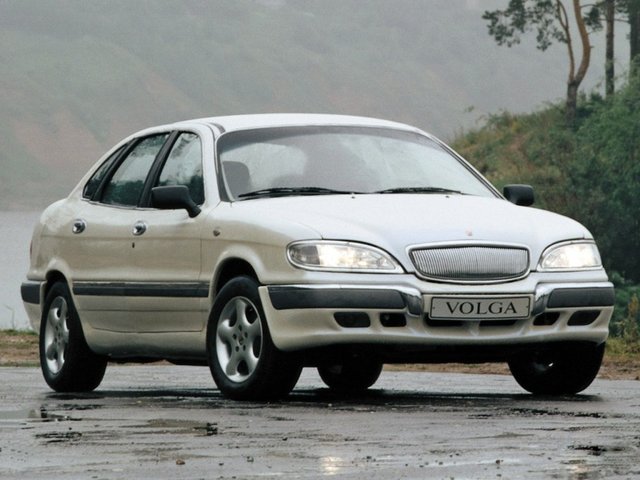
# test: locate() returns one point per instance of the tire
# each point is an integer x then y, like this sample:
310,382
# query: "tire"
244,362
561,371
353,375
67,362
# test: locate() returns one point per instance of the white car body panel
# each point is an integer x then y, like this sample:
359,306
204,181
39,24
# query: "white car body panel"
190,253
412,220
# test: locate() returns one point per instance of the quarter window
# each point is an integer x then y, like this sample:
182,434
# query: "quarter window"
127,183
96,179
184,166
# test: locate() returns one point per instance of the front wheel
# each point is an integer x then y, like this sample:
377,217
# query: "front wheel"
67,362
244,362
560,371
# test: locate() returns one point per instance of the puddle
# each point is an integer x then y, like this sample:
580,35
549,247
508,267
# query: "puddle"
15,415
71,406
161,425
59,437
533,412
597,450
54,417
37,415
44,413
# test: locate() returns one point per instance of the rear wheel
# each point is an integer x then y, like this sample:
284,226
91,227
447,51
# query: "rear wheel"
244,362
561,371
67,362
351,375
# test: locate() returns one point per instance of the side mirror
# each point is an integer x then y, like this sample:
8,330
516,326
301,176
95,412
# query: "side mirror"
174,197
519,194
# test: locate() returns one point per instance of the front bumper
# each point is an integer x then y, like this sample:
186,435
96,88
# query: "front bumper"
304,317
32,294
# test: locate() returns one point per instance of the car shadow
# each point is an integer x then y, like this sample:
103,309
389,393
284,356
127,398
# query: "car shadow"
323,398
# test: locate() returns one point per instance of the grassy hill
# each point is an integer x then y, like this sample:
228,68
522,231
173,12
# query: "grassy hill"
76,76
588,171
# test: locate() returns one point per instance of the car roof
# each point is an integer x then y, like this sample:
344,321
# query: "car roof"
243,122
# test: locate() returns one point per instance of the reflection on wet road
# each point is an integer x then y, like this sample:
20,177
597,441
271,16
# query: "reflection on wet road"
170,422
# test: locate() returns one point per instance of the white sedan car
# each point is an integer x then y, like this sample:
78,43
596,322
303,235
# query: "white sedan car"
261,244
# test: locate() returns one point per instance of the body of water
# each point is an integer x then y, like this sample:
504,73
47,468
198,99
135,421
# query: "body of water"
15,230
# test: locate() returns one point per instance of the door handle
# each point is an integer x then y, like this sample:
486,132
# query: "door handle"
79,226
139,228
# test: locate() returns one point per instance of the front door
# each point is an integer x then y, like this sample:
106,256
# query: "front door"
166,250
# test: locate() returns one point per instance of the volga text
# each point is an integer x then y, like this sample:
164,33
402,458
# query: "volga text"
482,308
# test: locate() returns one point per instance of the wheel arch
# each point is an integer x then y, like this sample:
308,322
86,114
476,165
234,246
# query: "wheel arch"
52,278
229,269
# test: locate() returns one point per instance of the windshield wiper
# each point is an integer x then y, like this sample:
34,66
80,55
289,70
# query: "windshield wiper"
287,191
418,190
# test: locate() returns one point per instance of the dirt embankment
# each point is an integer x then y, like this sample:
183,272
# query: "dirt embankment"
20,349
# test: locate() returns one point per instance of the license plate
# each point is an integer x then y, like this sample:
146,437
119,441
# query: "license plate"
479,308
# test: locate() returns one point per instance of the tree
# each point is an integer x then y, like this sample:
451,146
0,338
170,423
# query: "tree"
551,22
630,9
609,64
633,9
604,177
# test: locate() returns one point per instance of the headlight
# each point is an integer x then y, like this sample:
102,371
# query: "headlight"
341,257
571,256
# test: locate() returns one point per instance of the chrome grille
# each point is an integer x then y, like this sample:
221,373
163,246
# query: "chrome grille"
471,263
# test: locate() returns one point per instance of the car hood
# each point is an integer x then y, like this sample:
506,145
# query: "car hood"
397,221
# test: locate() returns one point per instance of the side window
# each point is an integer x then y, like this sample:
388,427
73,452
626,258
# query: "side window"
126,184
184,166
96,179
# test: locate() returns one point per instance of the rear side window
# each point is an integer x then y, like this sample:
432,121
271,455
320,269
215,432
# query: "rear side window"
96,179
127,183
184,166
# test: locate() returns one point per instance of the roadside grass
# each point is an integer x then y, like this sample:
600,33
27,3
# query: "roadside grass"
622,359
622,349
19,348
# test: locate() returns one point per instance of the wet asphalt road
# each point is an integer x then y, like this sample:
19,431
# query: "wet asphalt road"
169,422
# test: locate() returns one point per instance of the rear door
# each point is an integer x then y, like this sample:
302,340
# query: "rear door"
103,242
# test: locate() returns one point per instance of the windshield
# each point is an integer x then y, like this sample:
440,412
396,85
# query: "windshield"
338,160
